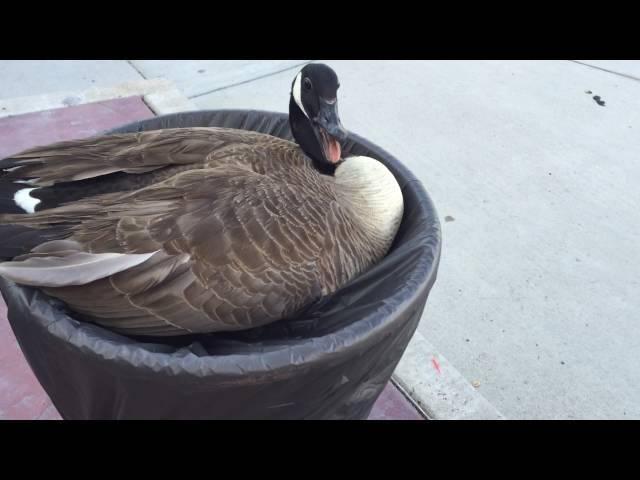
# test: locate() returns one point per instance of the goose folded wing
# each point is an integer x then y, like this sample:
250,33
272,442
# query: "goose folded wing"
130,153
228,249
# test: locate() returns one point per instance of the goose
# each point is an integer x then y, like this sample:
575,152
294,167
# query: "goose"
198,230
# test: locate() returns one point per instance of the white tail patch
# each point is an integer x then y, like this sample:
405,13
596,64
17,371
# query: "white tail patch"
25,201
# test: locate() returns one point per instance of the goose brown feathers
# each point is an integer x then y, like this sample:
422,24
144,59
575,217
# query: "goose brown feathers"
244,243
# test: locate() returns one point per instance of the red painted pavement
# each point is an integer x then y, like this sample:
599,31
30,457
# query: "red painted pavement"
20,132
393,405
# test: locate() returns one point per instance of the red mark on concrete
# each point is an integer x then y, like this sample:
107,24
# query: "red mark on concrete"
436,365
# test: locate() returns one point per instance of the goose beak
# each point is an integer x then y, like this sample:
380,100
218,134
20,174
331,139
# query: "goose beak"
329,130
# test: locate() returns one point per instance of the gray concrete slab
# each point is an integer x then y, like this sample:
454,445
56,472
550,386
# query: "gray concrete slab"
159,94
195,77
536,185
20,78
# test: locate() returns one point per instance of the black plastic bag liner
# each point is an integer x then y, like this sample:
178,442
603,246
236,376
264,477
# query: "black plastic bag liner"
330,363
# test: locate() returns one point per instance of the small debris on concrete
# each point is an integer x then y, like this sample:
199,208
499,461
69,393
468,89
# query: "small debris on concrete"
70,101
598,100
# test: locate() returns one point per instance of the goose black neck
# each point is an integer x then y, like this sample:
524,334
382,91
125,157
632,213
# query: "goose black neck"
306,137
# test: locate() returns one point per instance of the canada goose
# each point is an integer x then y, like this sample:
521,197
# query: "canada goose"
189,230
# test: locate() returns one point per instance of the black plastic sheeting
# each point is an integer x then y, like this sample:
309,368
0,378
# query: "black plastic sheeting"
330,363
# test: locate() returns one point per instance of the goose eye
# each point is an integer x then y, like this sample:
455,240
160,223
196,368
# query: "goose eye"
307,84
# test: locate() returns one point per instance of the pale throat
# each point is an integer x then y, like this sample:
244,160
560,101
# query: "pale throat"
374,194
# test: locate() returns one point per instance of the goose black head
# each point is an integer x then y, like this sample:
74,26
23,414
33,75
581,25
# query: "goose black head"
313,115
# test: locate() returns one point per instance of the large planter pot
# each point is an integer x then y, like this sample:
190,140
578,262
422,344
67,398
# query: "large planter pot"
332,362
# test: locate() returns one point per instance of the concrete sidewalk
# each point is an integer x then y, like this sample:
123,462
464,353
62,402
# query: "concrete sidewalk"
534,312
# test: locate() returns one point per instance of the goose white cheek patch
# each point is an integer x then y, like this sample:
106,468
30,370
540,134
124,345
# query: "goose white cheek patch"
297,93
25,201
